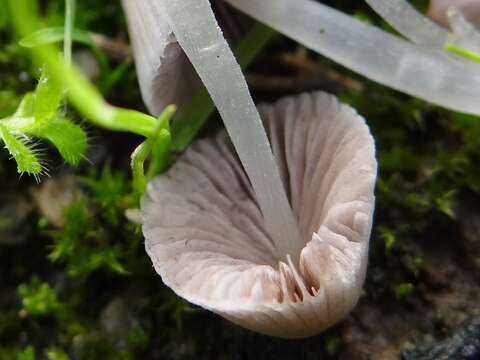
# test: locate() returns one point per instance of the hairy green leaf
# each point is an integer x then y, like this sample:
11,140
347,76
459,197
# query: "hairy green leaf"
27,161
26,107
69,138
48,97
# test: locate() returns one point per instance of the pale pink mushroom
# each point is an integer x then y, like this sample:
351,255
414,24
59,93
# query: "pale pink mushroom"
470,8
207,239
164,71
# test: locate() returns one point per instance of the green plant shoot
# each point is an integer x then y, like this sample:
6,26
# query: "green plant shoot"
38,114
468,54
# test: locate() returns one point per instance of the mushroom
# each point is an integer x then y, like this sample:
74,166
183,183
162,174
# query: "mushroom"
429,74
404,18
162,67
464,32
165,74
199,35
437,10
232,240
424,32
419,67
207,238
414,68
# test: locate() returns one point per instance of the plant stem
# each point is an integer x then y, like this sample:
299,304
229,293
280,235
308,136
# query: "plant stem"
161,151
83,95
468,54
69,20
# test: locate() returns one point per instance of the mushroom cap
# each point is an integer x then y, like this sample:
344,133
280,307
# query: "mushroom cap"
165,74
206,237
437,10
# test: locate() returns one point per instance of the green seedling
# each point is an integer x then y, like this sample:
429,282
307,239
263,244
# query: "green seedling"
64,79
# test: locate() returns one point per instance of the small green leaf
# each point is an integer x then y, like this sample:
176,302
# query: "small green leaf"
26,107
52,35
48,97
27,161
23,118
69,138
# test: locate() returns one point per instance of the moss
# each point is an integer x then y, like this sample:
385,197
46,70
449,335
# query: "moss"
38,298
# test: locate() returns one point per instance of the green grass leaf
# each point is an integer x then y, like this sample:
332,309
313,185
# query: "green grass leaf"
52,35
69,138
27,161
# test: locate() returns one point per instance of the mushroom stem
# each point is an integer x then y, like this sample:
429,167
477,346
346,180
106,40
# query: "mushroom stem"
423,31
404,18
198,33
426,73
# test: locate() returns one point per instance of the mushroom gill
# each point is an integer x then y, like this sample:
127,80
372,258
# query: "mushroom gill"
207,239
